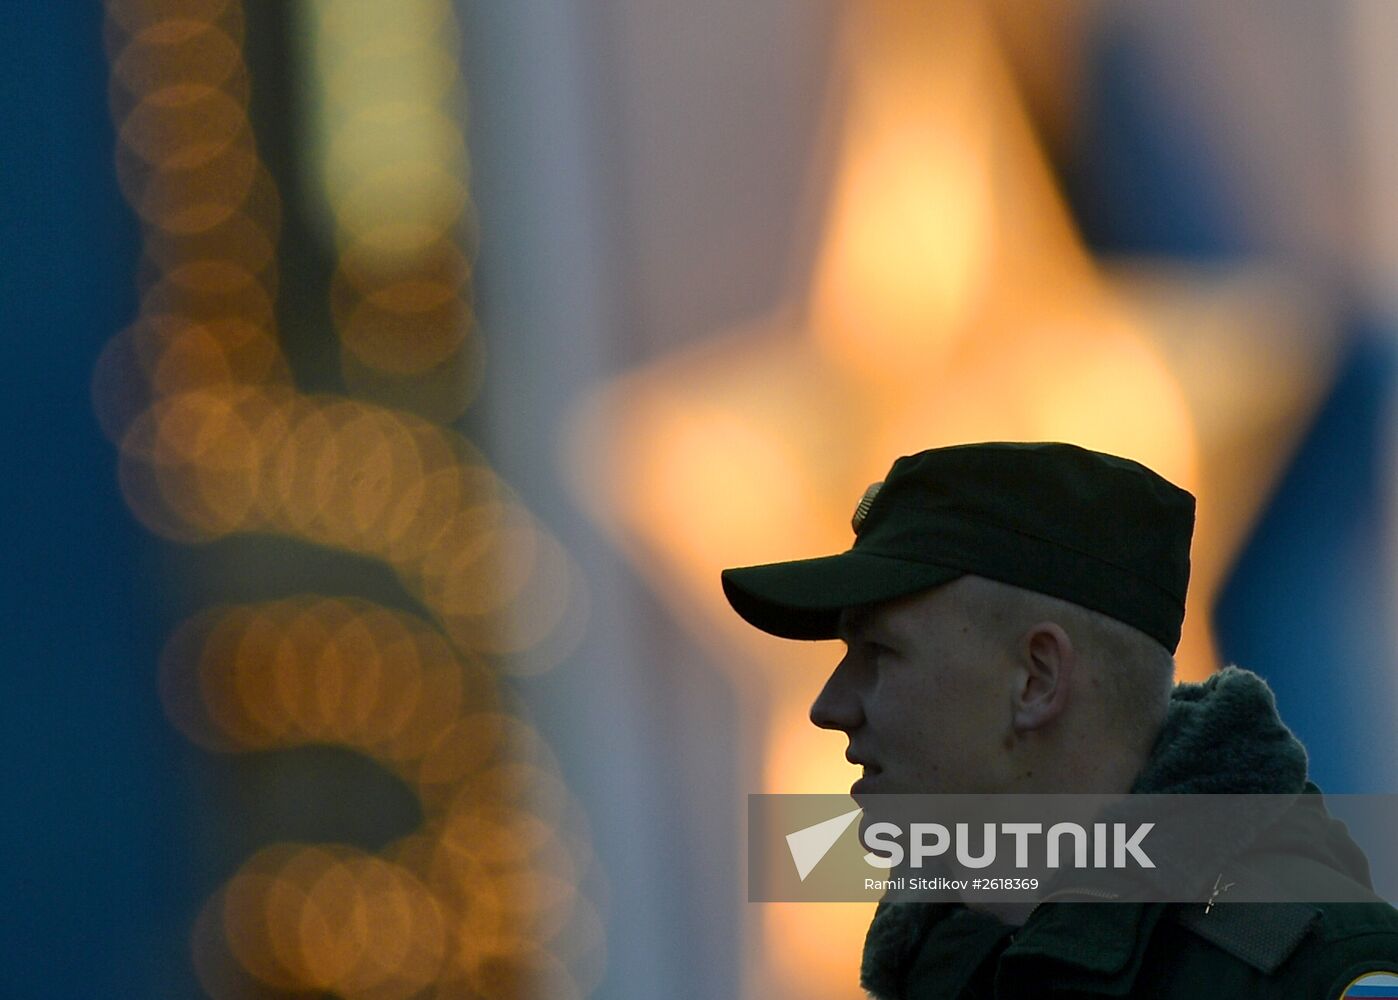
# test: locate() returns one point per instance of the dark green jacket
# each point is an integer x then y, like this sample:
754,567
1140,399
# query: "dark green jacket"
1220,736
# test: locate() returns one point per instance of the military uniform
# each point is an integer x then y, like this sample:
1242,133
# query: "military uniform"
1280,950
1107,534
1221,736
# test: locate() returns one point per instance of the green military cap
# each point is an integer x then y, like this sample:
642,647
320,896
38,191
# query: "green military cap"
1103,532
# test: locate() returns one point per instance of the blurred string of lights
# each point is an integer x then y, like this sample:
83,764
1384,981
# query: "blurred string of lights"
484,899
392,163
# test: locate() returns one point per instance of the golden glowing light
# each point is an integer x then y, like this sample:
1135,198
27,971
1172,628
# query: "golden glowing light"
496,861
185,200
393,166
329,670
390,146
135,16
220,974
404,254
908,247
194,50
210,289
201,455
200,215
214,440
207,462
407,328
184,125
257,901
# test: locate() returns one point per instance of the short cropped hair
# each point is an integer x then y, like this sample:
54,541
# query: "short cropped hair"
1136,672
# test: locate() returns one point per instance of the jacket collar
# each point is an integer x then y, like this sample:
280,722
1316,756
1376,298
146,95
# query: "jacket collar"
1224,737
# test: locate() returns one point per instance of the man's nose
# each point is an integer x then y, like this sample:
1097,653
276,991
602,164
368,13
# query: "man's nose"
838,705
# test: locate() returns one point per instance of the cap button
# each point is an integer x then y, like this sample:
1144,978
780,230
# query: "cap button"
865,502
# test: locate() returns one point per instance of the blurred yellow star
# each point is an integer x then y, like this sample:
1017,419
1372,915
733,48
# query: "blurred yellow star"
950,300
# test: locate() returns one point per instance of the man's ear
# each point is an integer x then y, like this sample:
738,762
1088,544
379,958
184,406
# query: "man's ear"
1047,659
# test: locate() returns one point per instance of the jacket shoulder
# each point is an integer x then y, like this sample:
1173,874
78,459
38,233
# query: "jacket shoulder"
1352,941
1262,935
1342,922
1311,950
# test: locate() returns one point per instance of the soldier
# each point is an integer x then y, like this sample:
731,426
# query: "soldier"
1010,614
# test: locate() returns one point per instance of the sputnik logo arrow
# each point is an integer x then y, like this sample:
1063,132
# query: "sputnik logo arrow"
808,846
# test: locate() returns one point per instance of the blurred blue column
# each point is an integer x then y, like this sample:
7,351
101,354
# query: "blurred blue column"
97,900
1311,602
548,282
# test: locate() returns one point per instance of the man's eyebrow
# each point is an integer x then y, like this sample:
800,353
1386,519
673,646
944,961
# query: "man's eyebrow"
848,625
855,623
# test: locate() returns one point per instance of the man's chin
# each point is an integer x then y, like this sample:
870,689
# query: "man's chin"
876,796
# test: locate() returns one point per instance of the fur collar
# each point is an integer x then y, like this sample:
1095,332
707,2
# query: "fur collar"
1224,736
1220,736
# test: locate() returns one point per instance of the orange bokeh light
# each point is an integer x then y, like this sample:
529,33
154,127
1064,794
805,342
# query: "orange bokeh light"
186,200
214,440
184,125
134,16
181,48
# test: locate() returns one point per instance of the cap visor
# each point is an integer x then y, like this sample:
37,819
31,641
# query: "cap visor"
803,599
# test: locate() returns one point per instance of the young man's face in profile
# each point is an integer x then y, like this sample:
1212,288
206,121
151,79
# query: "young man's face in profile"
923,695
